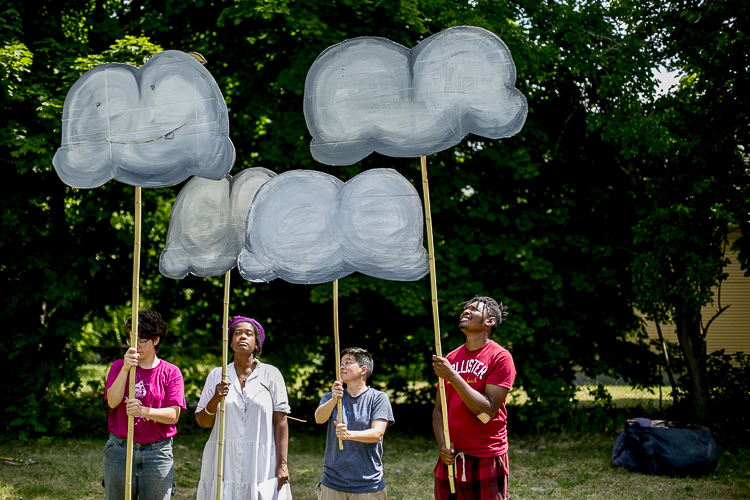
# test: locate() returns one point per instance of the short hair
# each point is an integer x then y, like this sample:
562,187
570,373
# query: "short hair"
150,327
256,334
491,308
362,357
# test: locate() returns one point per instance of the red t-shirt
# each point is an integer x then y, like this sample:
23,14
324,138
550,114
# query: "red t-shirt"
491,364
159,387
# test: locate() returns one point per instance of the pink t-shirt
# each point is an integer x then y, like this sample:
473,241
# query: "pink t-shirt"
159,387
490,364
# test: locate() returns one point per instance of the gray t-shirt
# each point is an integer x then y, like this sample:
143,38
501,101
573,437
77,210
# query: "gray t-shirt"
358,468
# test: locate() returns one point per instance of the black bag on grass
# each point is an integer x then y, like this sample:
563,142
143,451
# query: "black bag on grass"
665,448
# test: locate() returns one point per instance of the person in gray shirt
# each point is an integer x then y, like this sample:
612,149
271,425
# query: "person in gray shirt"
356,472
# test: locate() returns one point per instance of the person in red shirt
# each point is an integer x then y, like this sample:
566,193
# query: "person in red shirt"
478,376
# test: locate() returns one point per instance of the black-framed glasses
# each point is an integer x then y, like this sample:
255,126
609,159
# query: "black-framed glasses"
141,343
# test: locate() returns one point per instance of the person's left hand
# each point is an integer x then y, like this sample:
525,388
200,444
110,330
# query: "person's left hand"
341,431
133,407
282,474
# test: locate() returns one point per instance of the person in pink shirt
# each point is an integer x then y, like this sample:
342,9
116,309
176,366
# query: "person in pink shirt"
478,376
159,398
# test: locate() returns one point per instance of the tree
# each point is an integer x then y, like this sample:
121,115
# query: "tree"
510,219
58,264
690,184
541,221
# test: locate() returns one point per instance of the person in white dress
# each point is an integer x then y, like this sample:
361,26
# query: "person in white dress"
256,435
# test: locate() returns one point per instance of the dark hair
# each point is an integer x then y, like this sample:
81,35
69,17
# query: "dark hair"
256,334
362,357
491,309
150,327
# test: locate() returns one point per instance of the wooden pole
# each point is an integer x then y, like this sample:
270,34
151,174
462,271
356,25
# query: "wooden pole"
133,339
224,359
435,316
338,348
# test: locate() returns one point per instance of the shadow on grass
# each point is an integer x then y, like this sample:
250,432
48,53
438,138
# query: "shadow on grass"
549,466
565,465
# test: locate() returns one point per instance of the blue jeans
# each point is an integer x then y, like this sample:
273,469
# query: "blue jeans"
153,470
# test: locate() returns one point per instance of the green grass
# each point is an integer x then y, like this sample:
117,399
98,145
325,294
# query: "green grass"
563,467
579,467
623,396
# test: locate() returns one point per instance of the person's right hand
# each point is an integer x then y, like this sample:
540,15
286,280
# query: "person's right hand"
447,455
222,389
131,359
337,390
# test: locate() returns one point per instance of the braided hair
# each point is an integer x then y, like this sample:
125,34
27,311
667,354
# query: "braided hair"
491,310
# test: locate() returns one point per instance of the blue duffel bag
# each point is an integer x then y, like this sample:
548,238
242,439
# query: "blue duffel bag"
665,448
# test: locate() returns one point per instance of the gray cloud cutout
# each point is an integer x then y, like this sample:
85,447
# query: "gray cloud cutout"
207,228
309,227
151,127
371,94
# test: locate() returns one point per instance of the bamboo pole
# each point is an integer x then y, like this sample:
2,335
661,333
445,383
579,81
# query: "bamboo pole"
224,360
338,348
133,339
435,316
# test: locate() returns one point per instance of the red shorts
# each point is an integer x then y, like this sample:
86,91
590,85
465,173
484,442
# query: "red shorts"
477,478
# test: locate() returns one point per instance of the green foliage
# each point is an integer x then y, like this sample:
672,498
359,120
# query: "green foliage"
15,60
58,255
63,412
728,379
729,384
194,370
685,205
611,196
129,50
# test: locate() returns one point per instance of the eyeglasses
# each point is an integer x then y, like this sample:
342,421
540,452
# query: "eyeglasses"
347,364
141,343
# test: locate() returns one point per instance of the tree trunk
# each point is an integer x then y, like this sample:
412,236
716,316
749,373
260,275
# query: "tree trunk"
668,363
688,322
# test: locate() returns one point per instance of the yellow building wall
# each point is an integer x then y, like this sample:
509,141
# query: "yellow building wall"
731,330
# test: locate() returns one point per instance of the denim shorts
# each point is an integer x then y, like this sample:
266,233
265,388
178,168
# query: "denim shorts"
153,470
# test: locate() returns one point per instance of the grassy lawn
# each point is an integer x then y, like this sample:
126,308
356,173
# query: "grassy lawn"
545,467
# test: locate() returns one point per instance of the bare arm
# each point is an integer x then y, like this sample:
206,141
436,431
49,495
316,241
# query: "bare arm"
372,435
446,454
202,417
281,436
323,412
169,415
478,403
116,392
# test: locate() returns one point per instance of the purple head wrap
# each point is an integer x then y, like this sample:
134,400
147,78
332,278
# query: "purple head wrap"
242,319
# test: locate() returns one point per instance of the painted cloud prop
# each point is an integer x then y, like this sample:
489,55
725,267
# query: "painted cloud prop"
371,94
309,227
207,228
150,127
